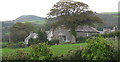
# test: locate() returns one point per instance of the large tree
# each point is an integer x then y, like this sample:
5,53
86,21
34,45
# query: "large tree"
72,14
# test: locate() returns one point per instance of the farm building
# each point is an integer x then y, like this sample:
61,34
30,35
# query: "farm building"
64,35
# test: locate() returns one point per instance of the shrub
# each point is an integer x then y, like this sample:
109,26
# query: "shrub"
12,46
111,34
72,55
54,41
3,45
16,45
81,39
21,55
21,45
98,49
41,52
68,43
18,55
33,41
9,57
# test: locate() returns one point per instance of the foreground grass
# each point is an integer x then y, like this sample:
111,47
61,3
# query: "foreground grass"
57,49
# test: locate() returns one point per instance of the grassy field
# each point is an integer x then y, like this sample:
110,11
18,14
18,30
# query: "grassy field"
8,51
38,21
57,49
63,49
3,43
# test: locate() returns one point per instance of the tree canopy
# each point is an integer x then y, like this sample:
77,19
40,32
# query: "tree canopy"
19,31
72,14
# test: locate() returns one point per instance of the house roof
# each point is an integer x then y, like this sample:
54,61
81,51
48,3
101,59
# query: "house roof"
86,29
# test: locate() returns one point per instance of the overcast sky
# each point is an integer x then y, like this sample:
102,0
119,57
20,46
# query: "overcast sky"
11,9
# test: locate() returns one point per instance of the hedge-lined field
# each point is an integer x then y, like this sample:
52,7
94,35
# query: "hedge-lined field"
57,49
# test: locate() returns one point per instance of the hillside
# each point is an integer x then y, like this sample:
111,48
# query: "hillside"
109,18
29,18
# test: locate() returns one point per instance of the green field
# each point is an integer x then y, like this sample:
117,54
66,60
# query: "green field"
38,21
110,13
1,43
8,51
63,49
57,49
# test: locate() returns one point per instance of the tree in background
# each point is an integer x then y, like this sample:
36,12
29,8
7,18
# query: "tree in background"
5,37
42,36
72,14
45,27
19,31
5,30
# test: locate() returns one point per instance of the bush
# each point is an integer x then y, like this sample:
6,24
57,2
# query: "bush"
9,57
41,52
72,55
54,41
21,45
81,39
12,46
16,45
21,55
98,49
33,41
68,43
18,55
4,44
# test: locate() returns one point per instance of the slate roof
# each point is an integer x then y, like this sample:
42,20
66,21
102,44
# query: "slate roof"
86,29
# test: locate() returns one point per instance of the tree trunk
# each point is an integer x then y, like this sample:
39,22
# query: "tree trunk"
74,34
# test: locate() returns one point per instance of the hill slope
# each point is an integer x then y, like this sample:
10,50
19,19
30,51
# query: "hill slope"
109,18
28,18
